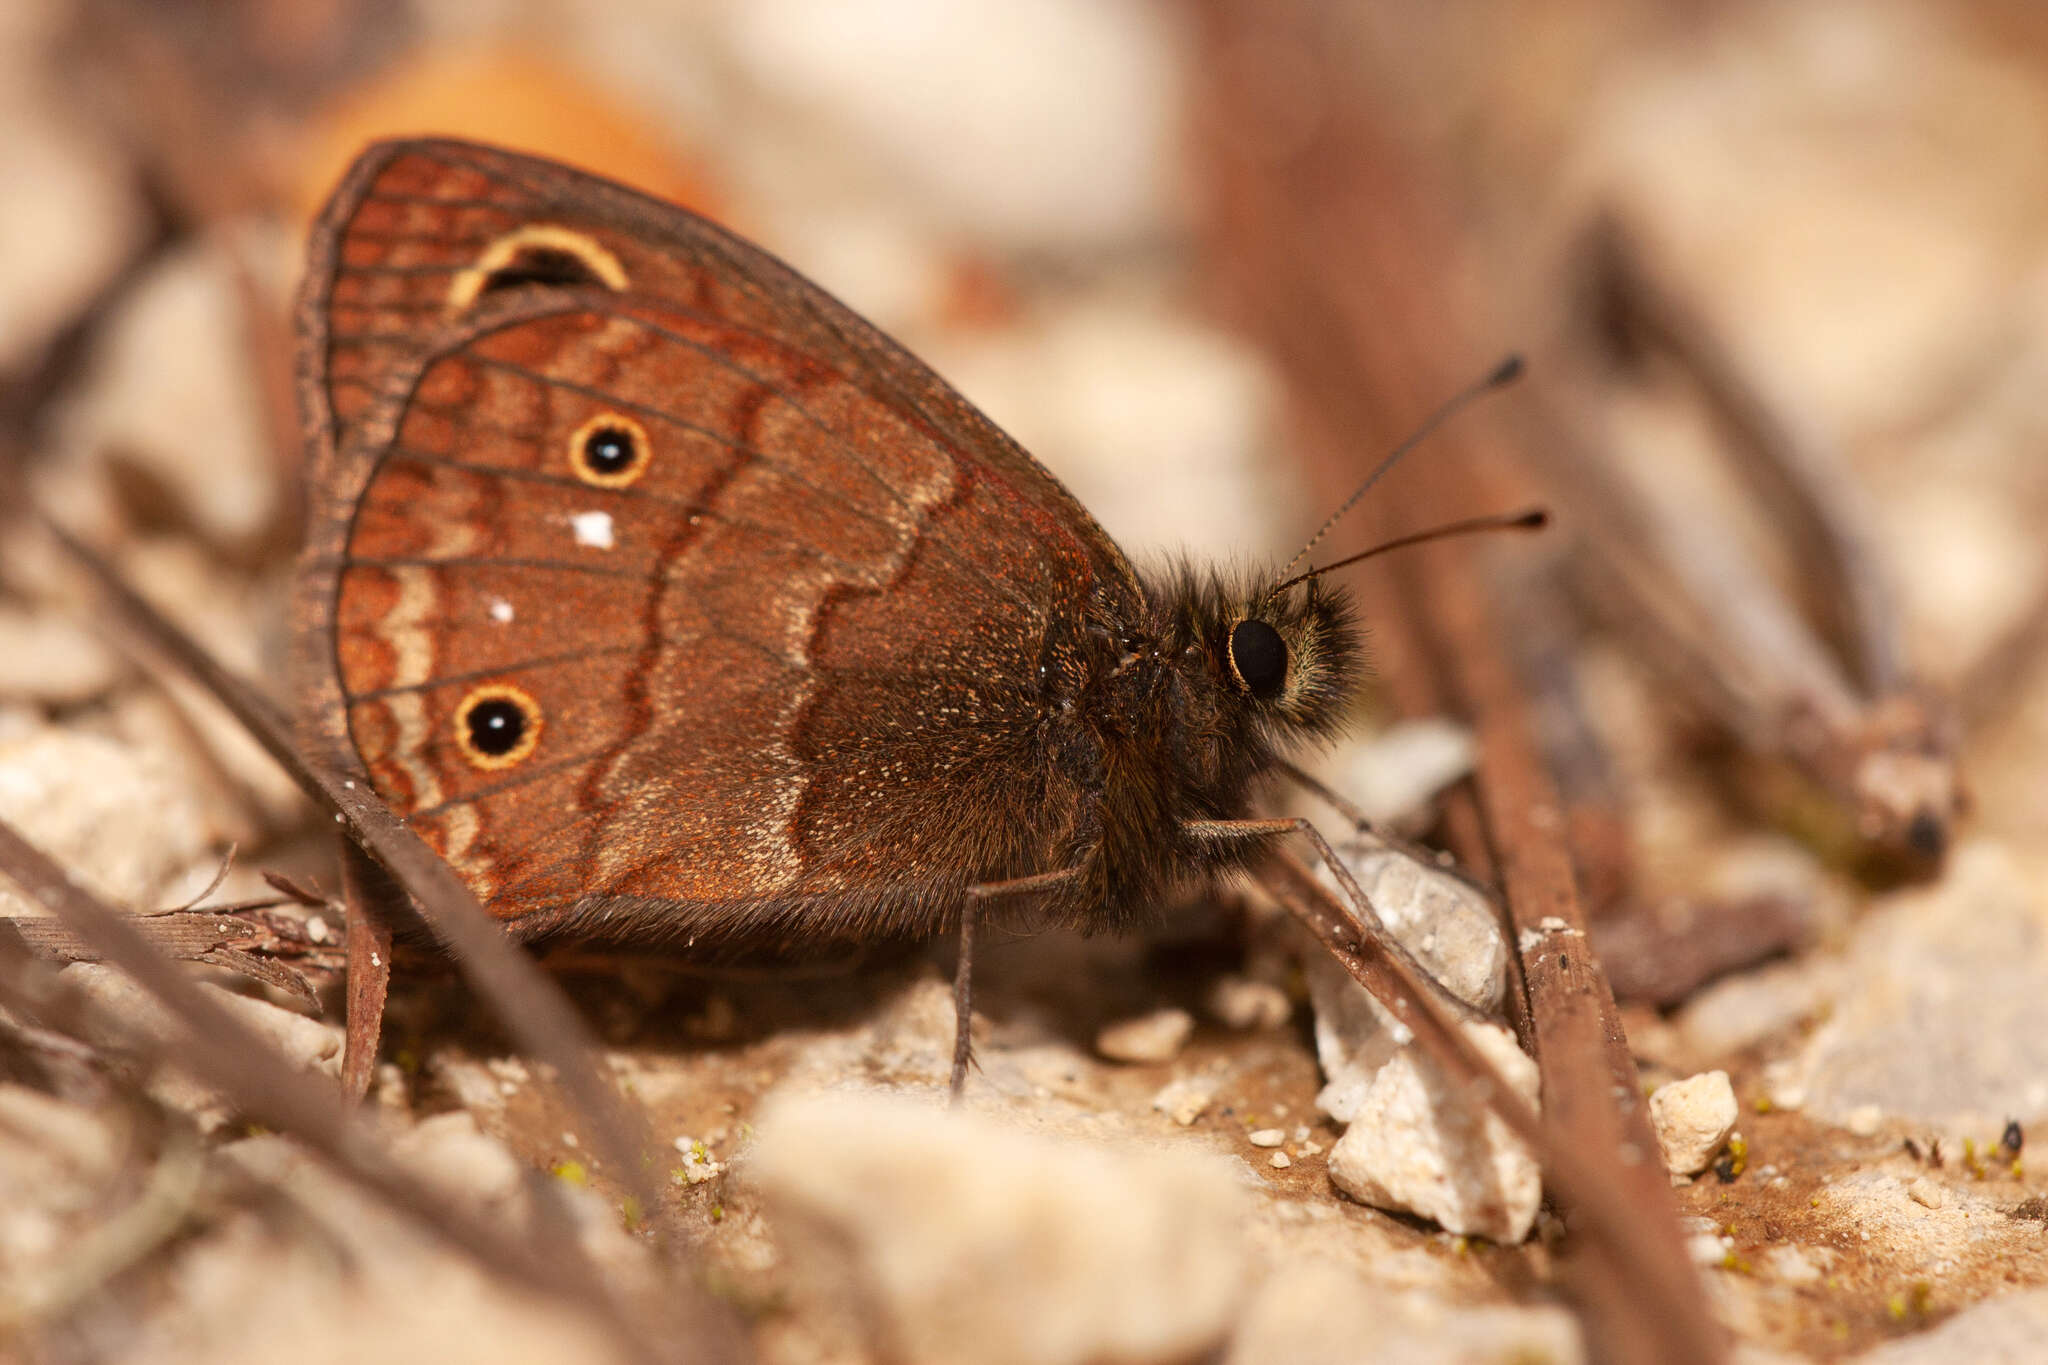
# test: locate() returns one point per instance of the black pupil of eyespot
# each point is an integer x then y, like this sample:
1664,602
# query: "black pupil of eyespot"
608,450
496,725
1260,656
543,265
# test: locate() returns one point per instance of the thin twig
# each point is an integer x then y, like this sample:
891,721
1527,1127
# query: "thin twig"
532,1008
221,1051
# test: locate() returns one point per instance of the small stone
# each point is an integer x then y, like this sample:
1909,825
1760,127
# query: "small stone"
1311,1311
1793,1264
50,659
120,824
1450,926
1418,1143
1266,1137
1926,1193
1708,1248
1155,1037
1783,1086
1279,1161
1864,1120
1186,1098
173,396
963,1238
1692,1118
1241,1003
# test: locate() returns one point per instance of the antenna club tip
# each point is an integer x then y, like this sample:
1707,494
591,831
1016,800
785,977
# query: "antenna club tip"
1507,372
1535,519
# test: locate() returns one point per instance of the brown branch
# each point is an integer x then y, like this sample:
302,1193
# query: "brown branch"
533,1009
1693,602
215,937
1578,1179
1339,258
1795,472
221,1051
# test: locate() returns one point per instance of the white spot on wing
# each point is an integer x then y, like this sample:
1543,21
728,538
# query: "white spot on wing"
593,529
501,611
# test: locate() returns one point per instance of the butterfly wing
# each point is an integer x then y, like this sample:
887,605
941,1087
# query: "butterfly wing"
662,594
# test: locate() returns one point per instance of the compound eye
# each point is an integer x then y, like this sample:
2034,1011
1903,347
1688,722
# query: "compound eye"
1259,658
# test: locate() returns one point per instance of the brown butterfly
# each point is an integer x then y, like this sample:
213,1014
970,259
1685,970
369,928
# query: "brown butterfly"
671,602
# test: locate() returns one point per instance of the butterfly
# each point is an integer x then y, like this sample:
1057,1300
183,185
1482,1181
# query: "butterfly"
672,603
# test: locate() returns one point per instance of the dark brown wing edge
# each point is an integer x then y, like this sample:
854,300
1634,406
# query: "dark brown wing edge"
821,324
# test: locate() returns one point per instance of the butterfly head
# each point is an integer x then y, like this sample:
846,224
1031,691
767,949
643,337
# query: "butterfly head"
1282,664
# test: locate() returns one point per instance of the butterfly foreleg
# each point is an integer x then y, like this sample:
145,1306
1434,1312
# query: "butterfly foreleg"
1365,919
963,969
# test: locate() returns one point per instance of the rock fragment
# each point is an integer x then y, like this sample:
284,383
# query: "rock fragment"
1692,1118
1926,1193
1155,1037
1186,1098
965,1239
121,825
1241,1003
1416,1144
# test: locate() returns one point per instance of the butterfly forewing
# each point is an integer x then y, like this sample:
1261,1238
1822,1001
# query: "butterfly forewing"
648,580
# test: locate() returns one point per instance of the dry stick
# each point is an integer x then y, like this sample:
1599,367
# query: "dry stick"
192,935
532,1008
1342,266
222,1052
1796,473
1715,625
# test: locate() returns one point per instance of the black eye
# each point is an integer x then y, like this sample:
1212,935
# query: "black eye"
1259,658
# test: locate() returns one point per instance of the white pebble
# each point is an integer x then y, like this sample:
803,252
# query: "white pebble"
1241,1003
1693,1117
1069,1250
1418,1143
1185,1098
1279,1161
1155,1037
1267,1137
1926,1193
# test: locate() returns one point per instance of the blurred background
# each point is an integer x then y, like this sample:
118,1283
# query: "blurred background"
1781,272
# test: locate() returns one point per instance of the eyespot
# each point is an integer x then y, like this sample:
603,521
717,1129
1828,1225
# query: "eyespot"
537,254
609,451
497,725
1259,658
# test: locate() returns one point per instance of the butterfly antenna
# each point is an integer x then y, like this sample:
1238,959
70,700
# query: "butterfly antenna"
1533,519
1501,375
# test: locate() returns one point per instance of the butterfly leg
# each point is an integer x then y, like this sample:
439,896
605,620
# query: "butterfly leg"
1365,919
368,896
963,969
